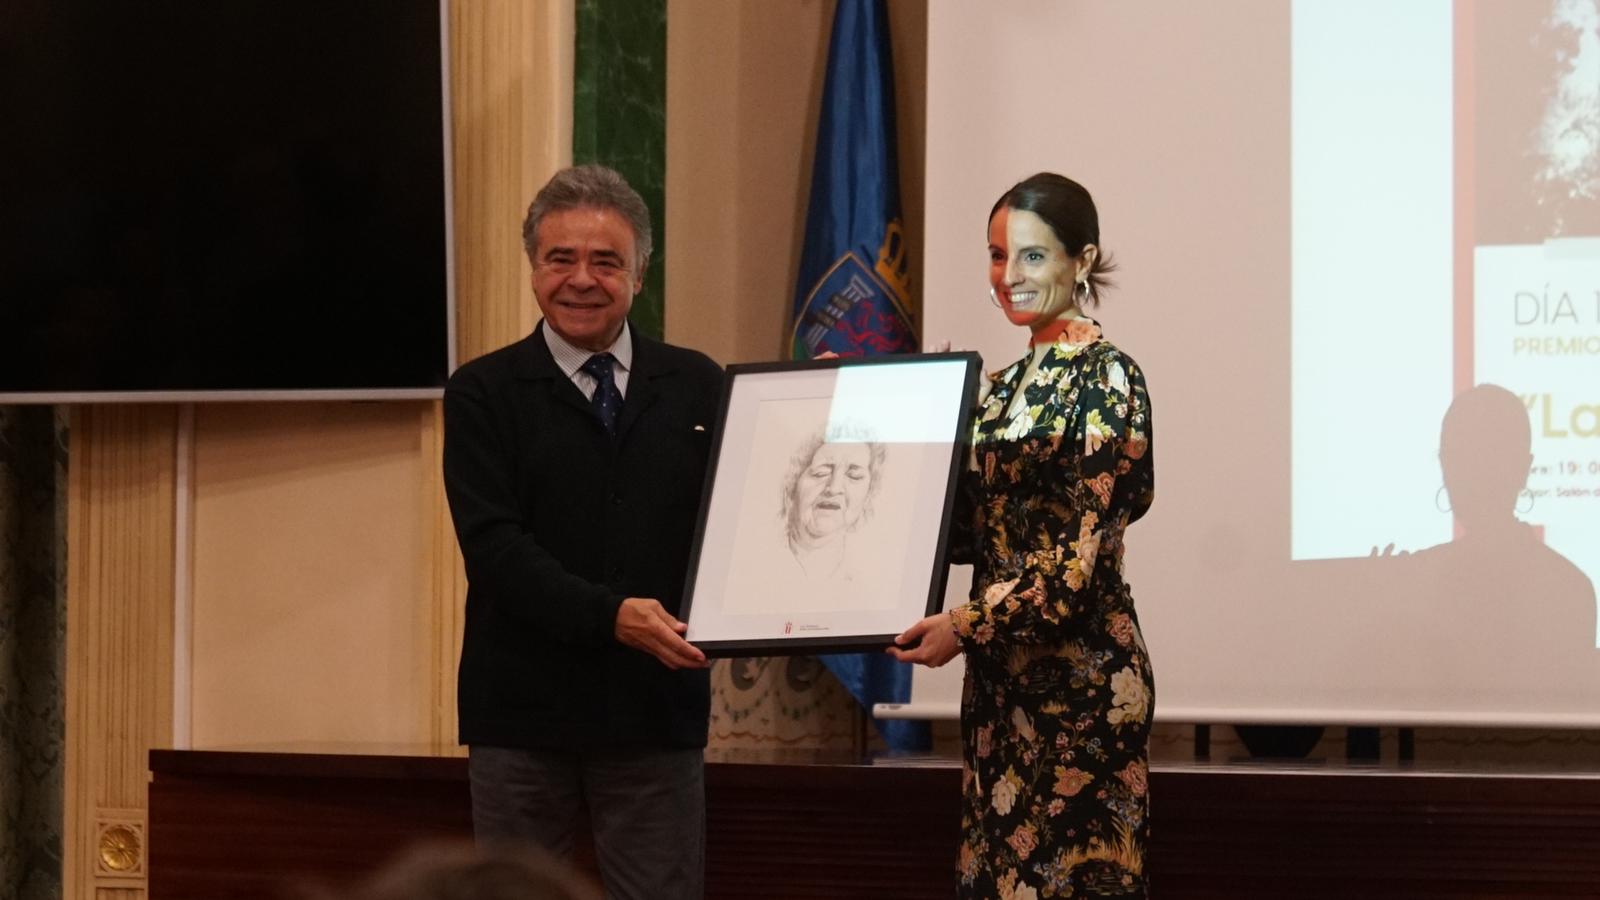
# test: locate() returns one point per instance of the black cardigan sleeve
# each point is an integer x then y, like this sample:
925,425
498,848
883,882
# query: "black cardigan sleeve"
505,565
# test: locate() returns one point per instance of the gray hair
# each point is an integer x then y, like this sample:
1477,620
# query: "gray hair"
590,186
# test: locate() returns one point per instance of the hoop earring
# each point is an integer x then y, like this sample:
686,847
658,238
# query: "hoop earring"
995,299
1440,493
1524,493
1085,285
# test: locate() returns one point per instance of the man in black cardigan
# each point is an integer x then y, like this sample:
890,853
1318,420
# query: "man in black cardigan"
573,463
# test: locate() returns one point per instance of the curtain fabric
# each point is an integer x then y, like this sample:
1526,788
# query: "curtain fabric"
33,630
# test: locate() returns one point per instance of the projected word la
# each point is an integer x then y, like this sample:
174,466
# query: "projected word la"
1552,421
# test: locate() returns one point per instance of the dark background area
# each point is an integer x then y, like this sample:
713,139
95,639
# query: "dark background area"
221,196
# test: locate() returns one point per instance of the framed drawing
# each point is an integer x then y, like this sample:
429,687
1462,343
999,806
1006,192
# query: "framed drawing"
827,506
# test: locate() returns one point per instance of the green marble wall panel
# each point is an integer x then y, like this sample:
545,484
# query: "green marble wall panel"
619,116
33,635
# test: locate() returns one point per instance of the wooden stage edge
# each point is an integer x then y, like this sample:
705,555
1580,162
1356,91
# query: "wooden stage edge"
234,824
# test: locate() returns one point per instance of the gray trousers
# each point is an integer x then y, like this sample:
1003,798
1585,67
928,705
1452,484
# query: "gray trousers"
647,809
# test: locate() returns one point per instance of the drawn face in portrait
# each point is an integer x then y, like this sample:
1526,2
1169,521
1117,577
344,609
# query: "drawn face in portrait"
831,492
827,496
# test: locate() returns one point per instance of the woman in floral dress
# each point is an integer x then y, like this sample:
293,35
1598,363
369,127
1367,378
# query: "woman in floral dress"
1055,715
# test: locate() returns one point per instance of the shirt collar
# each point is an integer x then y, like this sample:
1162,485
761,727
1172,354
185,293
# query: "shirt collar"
571,357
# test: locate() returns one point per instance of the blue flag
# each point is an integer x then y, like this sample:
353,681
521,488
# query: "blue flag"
854,284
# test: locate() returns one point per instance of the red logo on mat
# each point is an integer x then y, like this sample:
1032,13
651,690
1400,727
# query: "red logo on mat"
788,627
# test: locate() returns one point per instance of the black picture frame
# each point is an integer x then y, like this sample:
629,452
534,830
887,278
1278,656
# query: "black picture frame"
832,560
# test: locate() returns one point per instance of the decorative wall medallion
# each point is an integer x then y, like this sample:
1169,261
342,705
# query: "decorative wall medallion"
120,850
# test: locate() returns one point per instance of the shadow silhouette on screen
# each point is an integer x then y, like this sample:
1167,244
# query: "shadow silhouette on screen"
1495,587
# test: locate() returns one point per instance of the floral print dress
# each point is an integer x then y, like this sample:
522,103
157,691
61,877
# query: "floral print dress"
1055,715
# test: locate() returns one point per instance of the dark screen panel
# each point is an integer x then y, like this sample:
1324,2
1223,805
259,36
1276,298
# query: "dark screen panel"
243,195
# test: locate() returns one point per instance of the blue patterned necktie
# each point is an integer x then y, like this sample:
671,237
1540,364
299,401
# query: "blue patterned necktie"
607,400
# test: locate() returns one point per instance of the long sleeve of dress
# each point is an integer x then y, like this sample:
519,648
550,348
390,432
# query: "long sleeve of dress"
1057,507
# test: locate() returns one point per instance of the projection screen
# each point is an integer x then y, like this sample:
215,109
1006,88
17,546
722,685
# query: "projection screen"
1333,221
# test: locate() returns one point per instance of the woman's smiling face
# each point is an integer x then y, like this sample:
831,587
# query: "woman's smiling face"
1031,273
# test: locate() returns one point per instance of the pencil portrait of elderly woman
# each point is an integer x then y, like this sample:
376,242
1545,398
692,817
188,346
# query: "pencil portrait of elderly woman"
828,492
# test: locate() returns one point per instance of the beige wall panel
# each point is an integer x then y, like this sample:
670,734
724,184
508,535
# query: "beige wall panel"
511,116
120,509
744,86
446,589
311,577
701,181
